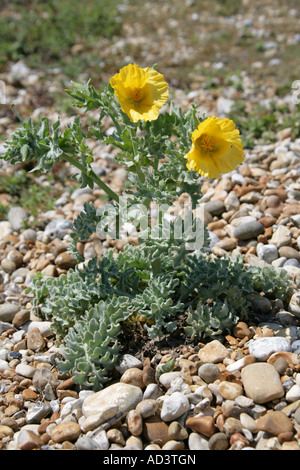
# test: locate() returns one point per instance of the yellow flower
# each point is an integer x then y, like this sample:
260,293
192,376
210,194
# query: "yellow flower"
216,148
141,92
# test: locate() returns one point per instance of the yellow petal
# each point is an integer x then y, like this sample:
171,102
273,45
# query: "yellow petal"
216,147
140,91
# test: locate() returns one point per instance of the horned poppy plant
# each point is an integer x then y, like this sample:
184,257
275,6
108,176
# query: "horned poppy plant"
140,91
216,147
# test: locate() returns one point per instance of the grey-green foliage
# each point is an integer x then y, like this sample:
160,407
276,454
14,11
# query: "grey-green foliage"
91,347
66,299
153,283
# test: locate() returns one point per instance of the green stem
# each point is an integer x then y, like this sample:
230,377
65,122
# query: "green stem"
16,113
92,177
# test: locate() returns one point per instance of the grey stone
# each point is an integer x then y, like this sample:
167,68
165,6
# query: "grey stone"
209,372
8,311
267,253
16,217
87,443
29,235
260,304
247,231
57,228
37,412
126,362
215,207
262,348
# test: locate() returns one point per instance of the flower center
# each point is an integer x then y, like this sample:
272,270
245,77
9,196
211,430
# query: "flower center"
207,142
137,94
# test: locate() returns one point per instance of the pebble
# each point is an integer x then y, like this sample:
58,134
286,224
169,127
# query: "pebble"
16,217
66,431
204,425
261,382
275,422
209,372
123,395
247,231
262,348
174,406
8,311
57,229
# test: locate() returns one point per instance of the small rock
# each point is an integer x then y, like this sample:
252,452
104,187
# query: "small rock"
177,431
66,431
57,228
209,372
29,440
281,237
289,252
204,425
261,382
134,422
8,311
25,370
95,420
156,430
5,229
213,352
230,390
35,340
133,376
28,235
174,406
65,260
247,231
260,304
123,395
267,253
16,217
275,422
8,265
128,361
37,412
218,441
294,304
262,348
21,317
147,407
215,207
197,442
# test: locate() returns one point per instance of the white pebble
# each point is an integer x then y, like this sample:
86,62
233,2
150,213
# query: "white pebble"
3,365
262,348
293,393
174,406
25,370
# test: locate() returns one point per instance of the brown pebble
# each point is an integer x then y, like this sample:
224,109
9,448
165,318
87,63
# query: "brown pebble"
155,430
29,394
204,425
66,384
275,422
133,376
148,375
285,436
35,340
241,330
66,431
237,436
